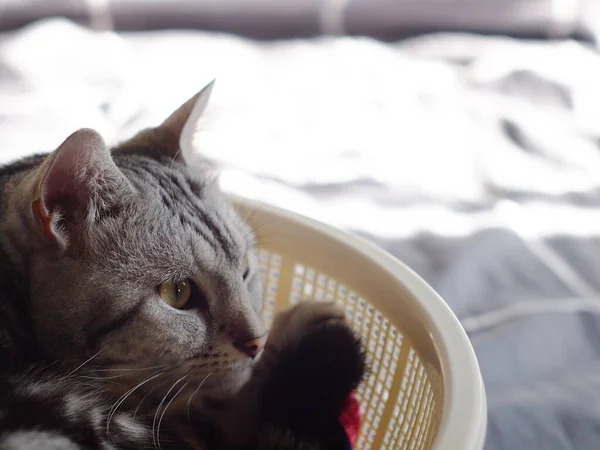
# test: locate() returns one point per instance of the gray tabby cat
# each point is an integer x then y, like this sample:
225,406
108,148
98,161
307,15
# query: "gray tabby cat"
129,300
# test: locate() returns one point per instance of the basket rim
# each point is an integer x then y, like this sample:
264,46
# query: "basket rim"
463,422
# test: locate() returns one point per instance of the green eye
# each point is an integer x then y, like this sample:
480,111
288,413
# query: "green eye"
177,294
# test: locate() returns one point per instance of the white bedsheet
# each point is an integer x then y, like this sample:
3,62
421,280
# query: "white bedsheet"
474,160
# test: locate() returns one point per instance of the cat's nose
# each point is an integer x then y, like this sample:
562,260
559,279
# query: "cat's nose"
252,347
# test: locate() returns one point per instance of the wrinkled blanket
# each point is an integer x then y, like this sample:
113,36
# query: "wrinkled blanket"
474,160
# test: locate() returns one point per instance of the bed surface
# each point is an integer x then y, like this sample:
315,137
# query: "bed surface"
474,160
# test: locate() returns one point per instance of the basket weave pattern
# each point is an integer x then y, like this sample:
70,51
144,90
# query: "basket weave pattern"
399,396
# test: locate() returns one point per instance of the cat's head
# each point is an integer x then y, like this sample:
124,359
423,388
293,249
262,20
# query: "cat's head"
135,259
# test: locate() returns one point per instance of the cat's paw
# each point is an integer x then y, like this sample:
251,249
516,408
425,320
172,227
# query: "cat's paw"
292,324
319,361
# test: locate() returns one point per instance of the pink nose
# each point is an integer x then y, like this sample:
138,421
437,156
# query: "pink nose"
252,347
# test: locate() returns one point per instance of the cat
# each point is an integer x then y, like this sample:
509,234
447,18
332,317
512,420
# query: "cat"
130,295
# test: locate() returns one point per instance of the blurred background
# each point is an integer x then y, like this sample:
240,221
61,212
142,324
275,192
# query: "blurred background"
462,136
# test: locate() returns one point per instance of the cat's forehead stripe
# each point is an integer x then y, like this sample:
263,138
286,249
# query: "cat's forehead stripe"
180,196
174,197
195,209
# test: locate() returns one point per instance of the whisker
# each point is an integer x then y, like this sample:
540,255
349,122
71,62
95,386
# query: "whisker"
146,396
112,377
128,369
30,369
47,366
121,399
165,411
273,222
263,241
160,406
84,363
189,402
249,216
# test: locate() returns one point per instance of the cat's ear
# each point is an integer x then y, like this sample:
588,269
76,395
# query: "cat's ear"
178,130
74,184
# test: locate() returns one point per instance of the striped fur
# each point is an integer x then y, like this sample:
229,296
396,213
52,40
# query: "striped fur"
92,358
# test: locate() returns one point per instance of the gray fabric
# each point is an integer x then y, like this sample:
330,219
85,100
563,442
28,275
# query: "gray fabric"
271,19
473,160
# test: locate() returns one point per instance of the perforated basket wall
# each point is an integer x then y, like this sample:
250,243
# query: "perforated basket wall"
424,390
401,397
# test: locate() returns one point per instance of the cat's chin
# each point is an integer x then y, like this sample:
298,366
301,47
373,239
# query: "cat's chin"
222,384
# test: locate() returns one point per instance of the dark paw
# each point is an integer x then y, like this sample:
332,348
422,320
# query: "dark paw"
293,324
319,362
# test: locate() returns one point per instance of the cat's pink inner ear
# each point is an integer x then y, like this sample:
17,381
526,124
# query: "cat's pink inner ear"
77,166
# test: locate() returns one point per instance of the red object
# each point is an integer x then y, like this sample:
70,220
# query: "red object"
351,418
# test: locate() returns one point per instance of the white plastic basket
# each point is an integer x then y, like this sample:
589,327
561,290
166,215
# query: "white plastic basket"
424,390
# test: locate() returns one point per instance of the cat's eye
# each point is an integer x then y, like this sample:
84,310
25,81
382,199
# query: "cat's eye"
177,294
